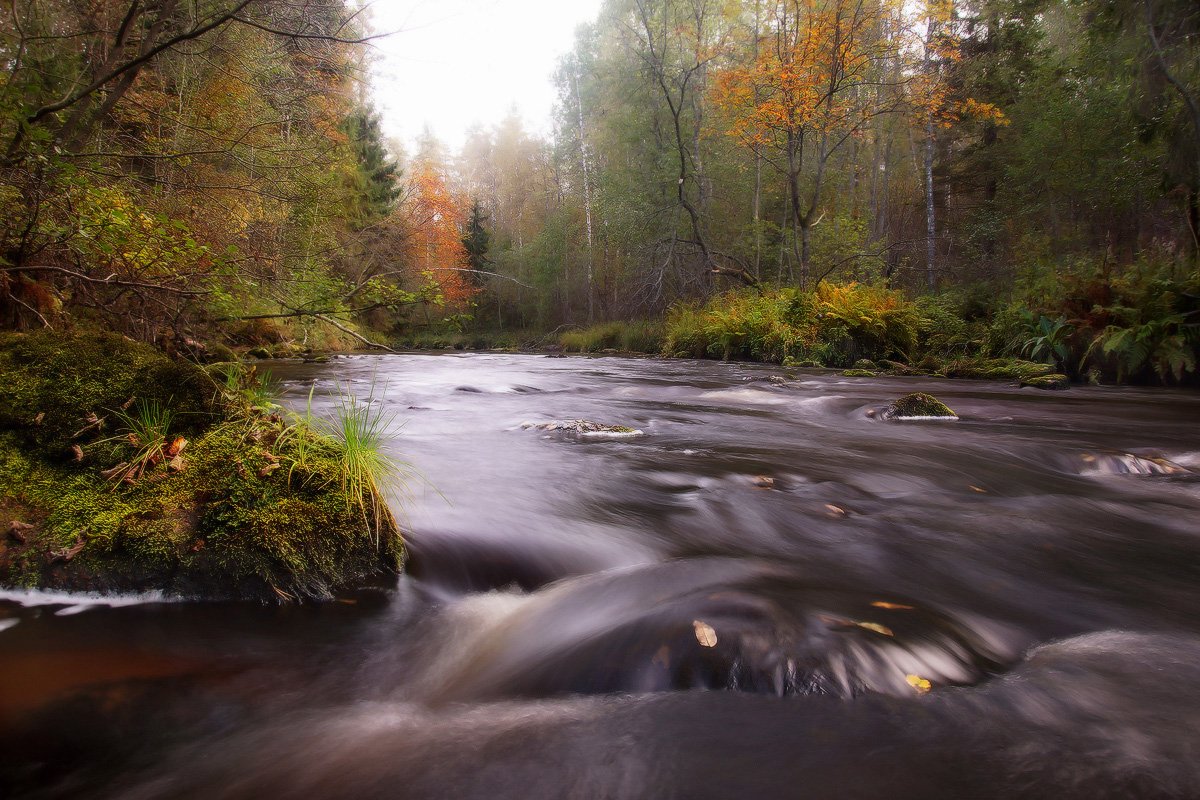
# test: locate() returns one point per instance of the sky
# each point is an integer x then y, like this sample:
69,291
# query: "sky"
452,63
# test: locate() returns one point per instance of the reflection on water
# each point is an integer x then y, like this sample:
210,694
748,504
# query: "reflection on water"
748,600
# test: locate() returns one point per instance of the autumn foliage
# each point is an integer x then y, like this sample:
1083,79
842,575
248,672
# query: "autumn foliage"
436,217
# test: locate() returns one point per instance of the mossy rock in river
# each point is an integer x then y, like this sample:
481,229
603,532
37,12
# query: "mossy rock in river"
1054,381
51,385
919,406
244,505
857,373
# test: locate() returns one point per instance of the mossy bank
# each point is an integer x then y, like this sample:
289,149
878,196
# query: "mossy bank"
213,493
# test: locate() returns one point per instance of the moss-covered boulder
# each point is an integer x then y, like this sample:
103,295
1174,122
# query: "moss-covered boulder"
235,503
857,373
56,389
919,406
1054,381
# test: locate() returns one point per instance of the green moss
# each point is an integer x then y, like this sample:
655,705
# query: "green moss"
865,364
857,373
918,404
50,383
1052,381
253,508
995,369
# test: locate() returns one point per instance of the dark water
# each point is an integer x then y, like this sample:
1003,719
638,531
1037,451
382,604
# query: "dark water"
737,603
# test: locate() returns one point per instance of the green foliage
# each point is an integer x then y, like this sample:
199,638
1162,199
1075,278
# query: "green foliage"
377,175
1168,346
1048,340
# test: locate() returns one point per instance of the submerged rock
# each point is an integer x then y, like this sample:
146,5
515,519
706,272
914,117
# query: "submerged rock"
583,427
1129,464
918,405
1055,381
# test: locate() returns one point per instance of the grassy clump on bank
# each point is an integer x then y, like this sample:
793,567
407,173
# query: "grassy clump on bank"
625,337
187,484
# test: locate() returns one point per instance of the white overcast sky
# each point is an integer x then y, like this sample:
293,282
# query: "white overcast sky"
457,62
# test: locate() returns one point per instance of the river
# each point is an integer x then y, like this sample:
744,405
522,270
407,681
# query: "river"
770,592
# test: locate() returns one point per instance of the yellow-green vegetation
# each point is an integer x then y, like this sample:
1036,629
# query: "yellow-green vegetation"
1141,327
191,482
627,337
835,325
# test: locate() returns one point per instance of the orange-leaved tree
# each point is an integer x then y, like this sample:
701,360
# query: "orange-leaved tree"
822,70
436,217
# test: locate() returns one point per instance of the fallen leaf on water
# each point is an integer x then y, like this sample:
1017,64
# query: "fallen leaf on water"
891,606
835,511
764,481
876,627
978,489
705,634
917,682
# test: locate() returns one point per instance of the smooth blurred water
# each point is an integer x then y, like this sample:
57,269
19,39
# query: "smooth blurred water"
736,603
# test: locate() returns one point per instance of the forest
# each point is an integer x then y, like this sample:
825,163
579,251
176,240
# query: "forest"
814,182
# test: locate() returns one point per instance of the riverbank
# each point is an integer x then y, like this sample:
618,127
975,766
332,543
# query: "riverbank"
1149,334
122,470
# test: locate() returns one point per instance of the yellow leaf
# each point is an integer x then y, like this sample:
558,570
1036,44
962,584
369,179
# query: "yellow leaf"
917,682
891,606
876,627
705,635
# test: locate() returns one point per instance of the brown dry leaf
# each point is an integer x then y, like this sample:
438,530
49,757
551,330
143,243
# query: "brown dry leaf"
705,634
978,489
177,446
875,627
917,682
77,451
267,470
197,546
1088,458
40,418
67,553
763,481
18,529
662,657
109,474
835,511
177,464
891,606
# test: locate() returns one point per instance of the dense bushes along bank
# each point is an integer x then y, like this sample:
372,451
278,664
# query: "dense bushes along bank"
121,470
1101,328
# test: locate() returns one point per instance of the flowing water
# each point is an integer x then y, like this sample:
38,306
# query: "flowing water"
745,600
